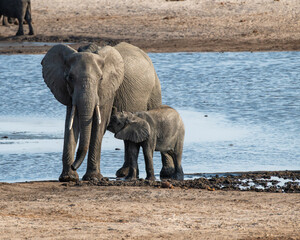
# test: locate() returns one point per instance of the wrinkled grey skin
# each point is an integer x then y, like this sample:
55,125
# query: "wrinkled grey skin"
159,129
20,9
91,82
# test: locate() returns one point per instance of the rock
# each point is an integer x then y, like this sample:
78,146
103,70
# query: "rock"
166,185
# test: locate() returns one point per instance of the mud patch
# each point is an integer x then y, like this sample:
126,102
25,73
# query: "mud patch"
278,181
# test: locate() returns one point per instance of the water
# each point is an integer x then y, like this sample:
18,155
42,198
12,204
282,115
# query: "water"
241,112
27,44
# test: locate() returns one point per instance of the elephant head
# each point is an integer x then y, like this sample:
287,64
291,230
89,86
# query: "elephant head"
128,126
85,81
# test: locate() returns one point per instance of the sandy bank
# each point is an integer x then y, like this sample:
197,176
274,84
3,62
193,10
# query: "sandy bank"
53,210
165,26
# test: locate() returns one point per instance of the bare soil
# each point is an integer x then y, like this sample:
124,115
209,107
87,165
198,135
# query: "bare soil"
190,209
53,210
164,26
204,208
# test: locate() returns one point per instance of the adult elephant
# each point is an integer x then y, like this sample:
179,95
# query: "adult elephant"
90,82
20,9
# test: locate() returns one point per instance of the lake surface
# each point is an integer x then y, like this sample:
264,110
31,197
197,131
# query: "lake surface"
241,112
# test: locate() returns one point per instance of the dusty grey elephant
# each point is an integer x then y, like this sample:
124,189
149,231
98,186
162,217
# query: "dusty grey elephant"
90,82
160,129
20,9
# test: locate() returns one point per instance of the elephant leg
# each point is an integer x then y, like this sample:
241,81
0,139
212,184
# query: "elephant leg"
133,153
20,30
124,170
168,168
28,20
177,156
148,156
70,142
94,155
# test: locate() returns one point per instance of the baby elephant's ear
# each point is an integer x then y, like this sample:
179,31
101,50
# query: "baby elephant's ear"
137,131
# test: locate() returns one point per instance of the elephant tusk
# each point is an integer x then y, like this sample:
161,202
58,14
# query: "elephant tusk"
98,114
72,117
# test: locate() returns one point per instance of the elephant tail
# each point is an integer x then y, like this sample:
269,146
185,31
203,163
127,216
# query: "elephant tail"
28,10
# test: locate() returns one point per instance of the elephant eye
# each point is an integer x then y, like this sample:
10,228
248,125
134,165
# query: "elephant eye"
70,79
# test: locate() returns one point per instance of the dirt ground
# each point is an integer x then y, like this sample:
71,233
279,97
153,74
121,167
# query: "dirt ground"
190,209
53,210
164,26
198,209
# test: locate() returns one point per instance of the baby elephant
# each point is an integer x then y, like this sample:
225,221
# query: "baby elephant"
159,129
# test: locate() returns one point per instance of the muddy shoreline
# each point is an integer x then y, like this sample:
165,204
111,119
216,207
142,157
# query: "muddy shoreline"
41,44
261,181
258,181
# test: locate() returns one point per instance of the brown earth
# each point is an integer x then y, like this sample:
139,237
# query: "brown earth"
190,209
164,26
53,210
195,209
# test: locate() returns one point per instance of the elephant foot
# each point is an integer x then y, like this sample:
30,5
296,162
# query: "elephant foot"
130,178
92,176
20,33
178,176
31,33
132,175
151,178
70,176
122,172
167,173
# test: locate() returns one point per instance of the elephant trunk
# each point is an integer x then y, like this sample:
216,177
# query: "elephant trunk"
85,108
85,105
85,128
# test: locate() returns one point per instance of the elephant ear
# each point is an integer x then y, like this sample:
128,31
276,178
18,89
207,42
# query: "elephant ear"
113,73
54,67
135,131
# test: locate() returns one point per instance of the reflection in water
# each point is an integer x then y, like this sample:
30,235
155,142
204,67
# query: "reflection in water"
241,112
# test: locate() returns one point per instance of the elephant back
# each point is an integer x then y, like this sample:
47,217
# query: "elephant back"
93,48
140,89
